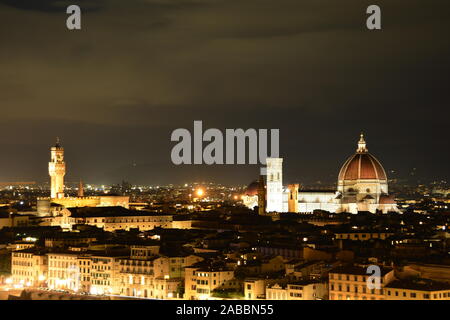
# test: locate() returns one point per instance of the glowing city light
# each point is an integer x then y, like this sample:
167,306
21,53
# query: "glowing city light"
200,192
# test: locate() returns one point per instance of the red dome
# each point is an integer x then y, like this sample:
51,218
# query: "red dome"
252,189
362,166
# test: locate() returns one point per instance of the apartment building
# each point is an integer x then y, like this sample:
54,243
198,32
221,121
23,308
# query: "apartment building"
299,290
417,289
147,275
201,281
362,235
110,218
255,289
84,266
29,267
105,273
63,271
350,283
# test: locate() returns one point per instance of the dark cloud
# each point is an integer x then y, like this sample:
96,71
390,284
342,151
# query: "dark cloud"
139,69
54,5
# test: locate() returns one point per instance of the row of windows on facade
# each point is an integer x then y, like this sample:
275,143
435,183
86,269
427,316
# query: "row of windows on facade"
282,295
136,280
292,287
135,293
101,282
350,278
62,264
424,295
363,235
412,295
339,297
132,262
22,273
201,274
22,263
140,270
153,286
22,255
129,220
348,289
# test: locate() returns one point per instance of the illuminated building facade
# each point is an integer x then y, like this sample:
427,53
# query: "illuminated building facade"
200,282
250,196
274,184
417,289
350,283
29,267
57,171
297,291
63,271
57,200
109,219
362,186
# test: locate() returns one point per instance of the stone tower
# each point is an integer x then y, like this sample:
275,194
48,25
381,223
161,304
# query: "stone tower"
57,170
293,198
81,189
261,196
274,184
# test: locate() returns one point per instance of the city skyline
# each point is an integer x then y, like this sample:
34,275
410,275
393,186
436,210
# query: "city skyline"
406,176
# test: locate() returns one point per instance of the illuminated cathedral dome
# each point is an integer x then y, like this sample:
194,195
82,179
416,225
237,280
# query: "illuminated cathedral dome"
362,174
362,187
362,165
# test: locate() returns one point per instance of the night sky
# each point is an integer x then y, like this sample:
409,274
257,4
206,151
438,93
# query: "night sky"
114,91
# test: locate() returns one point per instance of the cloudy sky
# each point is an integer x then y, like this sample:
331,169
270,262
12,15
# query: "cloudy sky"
115,90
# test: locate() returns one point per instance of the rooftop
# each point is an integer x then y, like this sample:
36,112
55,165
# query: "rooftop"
358,270
419,284
87,212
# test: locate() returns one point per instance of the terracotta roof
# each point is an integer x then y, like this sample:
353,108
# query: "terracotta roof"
252,189
419,284
358,270
362,166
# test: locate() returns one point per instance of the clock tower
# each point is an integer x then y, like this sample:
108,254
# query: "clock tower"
57,170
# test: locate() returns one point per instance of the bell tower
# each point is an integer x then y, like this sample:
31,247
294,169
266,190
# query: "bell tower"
57,170
274,184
